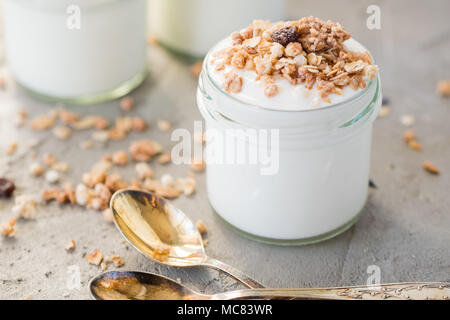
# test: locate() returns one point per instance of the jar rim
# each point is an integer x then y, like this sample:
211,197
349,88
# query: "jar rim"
369,85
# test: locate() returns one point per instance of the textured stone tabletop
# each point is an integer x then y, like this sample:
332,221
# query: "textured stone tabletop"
405,229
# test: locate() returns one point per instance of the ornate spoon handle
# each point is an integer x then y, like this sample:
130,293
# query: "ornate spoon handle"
235,273
394,291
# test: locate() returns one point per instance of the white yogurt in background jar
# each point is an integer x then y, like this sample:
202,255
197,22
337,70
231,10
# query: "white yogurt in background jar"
321,185
191,27
104,59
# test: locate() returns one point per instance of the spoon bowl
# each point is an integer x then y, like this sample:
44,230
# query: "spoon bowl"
157,229
135,285
163,233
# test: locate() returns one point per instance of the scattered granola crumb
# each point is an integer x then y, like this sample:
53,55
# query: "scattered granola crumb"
61,166
124,124
69,191
196,68
108,215
11,149
68,117
84,123
7,188
127,103
114,182
144,150
144,171
164,158
198,165
414,144
430,167
7,228
186,185
167,180
116,134
138,124
33,143
49,160
43,122
409,135
103,192
444,87
164,125
52,176
384,111
101,136
70,246
62,133
408,120
100,123
50,194
189,186
94,177
36,169
87,144
25,207
98,203
120,158
95,257
159,189
82,195
135,184
201,226
117,261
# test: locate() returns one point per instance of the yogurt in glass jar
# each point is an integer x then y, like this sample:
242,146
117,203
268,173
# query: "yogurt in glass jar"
320,93
192,27
81,51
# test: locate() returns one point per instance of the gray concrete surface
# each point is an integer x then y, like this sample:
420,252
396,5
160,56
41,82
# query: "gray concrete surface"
405,229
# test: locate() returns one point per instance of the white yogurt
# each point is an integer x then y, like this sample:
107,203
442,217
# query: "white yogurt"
103,59
324,158
193,26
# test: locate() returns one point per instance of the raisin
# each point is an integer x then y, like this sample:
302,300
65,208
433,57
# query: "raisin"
285,36
7,188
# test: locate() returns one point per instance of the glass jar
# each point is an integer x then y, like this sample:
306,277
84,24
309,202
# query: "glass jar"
320,185
192,27
79,51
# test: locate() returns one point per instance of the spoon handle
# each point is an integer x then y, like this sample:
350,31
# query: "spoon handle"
235,273
395,291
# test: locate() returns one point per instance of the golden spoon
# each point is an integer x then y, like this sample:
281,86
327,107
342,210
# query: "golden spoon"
164,233
134,285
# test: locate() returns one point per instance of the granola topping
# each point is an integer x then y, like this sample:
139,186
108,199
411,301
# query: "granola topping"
264,61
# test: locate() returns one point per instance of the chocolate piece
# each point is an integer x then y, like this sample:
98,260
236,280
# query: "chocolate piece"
286,35
7,188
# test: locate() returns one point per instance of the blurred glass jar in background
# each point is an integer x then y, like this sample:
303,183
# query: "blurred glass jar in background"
191,27
80,51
